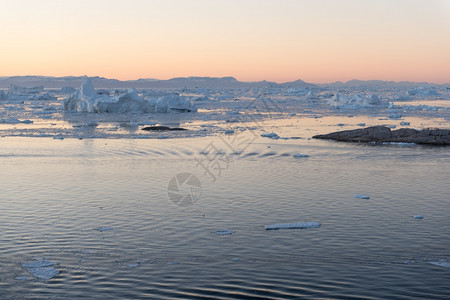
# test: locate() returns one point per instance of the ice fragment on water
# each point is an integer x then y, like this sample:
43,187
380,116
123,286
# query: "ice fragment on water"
300,225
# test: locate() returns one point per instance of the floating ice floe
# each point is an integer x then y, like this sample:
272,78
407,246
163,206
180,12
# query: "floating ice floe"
271,135
42,269
418,217
440,263
300,225
223,232
105,228
299,155
356,101
400,144
88,100
15,121
135,265
362,196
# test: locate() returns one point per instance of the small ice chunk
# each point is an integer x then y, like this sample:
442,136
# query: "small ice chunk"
229,131
340,124
395,116
440,263
418,217
223,232
271,135
105,228
236,259
403,123
300,225
21,278
58,137
42,269
298,155
137,264
361,124
362,196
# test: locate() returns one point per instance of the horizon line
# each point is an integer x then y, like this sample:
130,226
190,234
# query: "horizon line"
278,82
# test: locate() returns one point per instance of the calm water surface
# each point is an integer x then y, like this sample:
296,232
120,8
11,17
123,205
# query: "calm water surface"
56,194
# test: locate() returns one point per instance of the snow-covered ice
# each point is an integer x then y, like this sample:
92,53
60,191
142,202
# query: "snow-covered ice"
300,225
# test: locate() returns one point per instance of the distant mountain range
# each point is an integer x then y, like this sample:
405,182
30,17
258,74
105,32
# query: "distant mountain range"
191,82
180,82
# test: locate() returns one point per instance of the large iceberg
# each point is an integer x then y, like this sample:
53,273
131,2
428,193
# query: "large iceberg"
423,91
356,101
88,100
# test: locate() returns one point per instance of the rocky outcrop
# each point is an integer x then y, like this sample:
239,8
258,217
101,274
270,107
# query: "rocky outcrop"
162,128
381,134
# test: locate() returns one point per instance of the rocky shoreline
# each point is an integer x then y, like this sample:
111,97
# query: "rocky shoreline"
382,134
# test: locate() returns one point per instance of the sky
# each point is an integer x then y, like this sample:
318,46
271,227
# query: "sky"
251,40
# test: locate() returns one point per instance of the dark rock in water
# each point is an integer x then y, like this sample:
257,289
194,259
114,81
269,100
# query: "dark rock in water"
381,134
162,128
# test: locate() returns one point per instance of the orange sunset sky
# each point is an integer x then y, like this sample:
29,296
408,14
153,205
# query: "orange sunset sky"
276,40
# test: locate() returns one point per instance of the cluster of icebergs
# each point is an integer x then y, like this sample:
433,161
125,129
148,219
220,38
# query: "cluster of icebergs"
356,101
88,100
21,93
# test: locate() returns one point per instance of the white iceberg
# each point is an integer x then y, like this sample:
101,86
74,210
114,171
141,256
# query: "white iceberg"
423,91
88,100
300,225
173,102
42,269
356,101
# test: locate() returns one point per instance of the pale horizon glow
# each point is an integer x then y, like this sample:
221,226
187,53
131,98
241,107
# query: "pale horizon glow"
277,40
